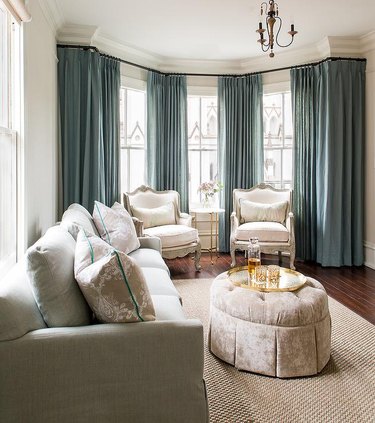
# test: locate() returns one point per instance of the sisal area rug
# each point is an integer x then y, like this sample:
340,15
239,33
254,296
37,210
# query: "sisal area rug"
343,392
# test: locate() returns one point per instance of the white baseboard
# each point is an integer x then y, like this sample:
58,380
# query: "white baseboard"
369,254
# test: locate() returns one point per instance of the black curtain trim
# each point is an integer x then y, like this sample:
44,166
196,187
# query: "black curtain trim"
332,59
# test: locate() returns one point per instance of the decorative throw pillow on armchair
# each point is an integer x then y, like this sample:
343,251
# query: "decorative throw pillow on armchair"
111,282
157,216
258,212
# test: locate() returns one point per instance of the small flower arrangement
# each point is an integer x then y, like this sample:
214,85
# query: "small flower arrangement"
209,189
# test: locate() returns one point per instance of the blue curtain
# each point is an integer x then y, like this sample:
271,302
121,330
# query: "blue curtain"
240,146
89,95
167,145
329,125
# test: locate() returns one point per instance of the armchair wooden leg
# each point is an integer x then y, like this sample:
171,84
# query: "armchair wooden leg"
280,257
233,256
292,257
197,258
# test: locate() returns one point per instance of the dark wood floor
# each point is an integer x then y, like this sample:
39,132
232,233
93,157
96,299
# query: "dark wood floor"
352,286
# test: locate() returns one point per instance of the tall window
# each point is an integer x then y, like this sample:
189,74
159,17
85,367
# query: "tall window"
278,140
133,138
202,142
9,128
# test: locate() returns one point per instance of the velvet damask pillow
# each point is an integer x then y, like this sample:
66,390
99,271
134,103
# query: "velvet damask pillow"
111,282
116,227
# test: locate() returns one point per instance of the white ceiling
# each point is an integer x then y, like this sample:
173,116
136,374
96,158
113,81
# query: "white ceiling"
214,29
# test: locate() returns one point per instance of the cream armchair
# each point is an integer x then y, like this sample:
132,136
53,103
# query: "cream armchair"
157,213
263,212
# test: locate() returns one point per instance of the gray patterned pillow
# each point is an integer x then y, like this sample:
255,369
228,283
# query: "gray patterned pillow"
116,227
111,282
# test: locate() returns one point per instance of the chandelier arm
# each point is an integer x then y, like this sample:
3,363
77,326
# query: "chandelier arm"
277,35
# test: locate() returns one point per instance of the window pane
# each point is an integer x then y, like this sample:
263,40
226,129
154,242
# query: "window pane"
287,164
202,122
272,165
194,176
137,168
4,65
278,139
135,117
288,123
133,124
8,207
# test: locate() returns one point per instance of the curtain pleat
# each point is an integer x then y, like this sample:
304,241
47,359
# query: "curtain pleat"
89,95
167,148
329,124
240,152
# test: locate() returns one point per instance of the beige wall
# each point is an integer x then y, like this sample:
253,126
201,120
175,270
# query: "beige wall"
40,126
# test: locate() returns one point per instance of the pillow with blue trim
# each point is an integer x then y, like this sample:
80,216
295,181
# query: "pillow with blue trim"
116,227
112,283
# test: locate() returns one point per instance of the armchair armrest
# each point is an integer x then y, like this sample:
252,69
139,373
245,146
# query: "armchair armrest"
152,242
233,223
138,226
100,370
290,226
185,219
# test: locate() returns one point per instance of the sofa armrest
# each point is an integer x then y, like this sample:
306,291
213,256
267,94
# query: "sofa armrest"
107,372
138,226
152,242
185,219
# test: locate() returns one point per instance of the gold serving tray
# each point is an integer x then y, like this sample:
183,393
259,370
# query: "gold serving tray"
289,280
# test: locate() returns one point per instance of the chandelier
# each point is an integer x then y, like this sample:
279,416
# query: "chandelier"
270,13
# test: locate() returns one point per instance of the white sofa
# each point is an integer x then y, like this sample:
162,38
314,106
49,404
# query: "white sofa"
141,372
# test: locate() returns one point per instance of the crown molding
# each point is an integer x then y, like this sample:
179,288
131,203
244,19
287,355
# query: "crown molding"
77,34
367,42
114,47
52,12
326,47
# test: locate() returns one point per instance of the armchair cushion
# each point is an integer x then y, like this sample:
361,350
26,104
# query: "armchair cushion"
157,216
260,212
113,285
264,231
116,227
174,235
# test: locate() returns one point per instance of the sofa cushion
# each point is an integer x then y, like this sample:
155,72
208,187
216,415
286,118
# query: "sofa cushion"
19,313
76,217
113,285
49,264
116,227
259,212
167,308
264,231
147,257
159,282
173,235
157,216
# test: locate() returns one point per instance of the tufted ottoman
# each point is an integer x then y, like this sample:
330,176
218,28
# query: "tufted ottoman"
283,334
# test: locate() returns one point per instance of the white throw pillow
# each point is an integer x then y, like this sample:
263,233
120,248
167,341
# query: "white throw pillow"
157,216
116,227
112,282
49,266
258,212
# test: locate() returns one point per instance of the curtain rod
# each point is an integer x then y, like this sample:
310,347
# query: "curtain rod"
85,47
